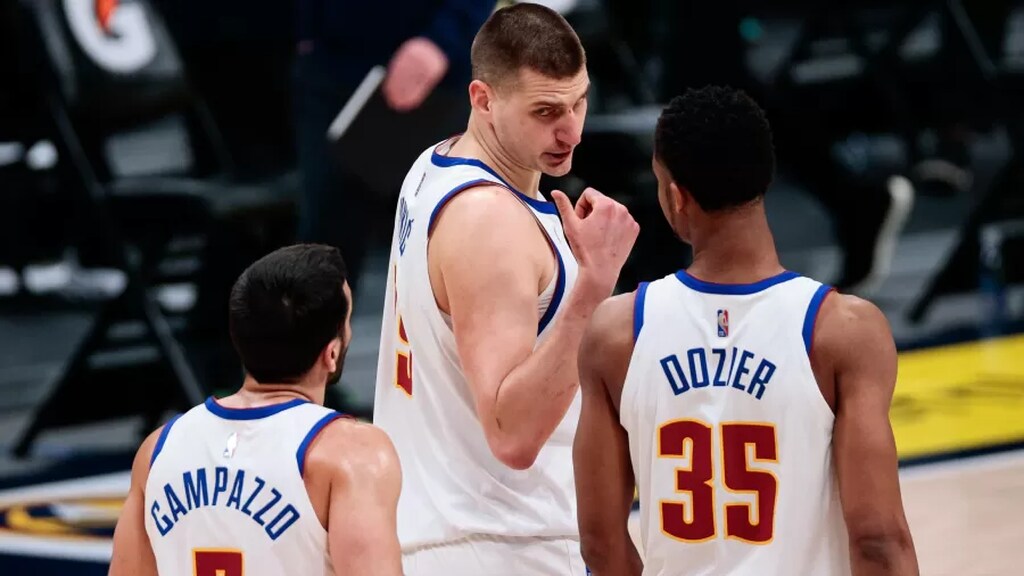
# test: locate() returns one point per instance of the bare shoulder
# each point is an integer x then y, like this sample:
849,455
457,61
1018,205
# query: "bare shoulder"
486,227
611,324
353,448
483,207
853,336
608,344
144,456
845,319
149,444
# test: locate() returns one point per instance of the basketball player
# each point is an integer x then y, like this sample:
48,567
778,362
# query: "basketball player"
484,311
752,404
268,481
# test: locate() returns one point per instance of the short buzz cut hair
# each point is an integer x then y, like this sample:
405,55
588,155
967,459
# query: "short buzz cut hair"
530,36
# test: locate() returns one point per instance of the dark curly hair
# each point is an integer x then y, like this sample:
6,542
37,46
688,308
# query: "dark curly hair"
716,143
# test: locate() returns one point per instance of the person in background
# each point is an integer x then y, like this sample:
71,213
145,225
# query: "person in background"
423,44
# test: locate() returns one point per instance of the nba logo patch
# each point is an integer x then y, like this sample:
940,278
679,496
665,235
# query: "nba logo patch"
723,323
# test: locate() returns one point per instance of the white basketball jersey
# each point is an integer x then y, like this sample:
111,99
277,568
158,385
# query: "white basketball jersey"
729,434
453,486
225,494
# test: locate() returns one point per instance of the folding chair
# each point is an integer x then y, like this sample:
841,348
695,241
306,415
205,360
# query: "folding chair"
113,85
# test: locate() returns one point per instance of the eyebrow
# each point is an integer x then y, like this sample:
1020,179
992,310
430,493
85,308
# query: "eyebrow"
545,103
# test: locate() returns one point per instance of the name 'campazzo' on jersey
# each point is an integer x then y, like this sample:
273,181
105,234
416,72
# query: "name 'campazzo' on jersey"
249,498
718,367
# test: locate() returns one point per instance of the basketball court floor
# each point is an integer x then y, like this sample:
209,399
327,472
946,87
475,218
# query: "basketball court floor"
958,413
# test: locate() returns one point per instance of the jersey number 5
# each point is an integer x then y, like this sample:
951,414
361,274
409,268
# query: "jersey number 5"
753,524
216,562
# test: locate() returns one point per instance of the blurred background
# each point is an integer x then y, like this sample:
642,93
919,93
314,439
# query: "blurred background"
151,149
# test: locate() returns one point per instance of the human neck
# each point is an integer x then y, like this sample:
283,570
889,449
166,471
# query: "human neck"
481,143
254,394
735,247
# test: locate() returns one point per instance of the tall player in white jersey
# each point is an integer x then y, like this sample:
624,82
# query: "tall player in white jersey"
748,405
267,481
484,311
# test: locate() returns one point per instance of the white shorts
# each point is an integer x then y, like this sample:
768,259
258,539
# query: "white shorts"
497,556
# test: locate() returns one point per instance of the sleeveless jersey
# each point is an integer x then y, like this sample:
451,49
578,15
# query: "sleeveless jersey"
225,494
453,486
729,435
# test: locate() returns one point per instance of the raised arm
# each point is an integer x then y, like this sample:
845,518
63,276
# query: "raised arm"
604,473
133,554
854,336
491,257
366,480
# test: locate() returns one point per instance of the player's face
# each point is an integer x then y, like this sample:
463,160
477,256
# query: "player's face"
539,120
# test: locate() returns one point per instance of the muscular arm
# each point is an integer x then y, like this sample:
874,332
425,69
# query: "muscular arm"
133,554
492,256
604,473
366,481
854,336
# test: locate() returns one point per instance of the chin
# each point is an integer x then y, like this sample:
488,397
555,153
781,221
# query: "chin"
558,170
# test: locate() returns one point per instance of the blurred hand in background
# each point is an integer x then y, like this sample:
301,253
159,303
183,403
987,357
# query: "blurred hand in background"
413,72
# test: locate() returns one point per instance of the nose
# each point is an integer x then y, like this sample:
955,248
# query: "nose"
570,130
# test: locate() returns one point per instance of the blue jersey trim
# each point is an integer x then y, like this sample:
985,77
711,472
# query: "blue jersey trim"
250,413
556,299
638,309
442,161
300,454
812,315
163,438
451,194
734,289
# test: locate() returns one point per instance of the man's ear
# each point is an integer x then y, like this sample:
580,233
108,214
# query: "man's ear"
332,354
679,198
481,97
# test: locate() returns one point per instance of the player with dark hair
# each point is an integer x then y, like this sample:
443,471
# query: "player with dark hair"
749,405
484,311
268,481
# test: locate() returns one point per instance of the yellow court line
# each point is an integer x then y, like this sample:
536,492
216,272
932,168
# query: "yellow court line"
959,397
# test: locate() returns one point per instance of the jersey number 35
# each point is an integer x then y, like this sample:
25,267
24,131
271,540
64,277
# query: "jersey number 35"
751,523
